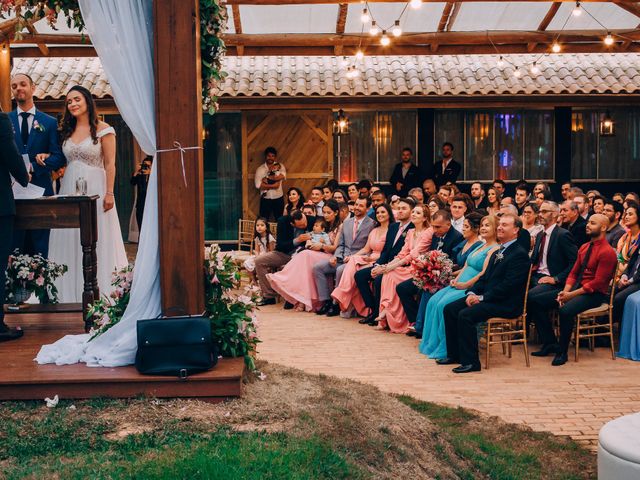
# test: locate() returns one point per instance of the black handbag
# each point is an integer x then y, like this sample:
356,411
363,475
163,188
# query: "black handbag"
177,346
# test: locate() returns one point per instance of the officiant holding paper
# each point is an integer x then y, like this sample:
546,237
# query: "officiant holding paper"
36,135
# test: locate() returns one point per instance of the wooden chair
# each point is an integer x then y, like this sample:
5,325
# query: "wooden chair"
246,229
587,325
509,331
273,228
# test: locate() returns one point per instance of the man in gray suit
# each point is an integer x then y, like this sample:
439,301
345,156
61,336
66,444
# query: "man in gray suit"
354,235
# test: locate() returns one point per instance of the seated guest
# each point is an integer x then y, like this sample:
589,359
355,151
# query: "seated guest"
597,206
364,188
493,199
327,192
572,221
405,174
529,219
444,192
628,284
295,200
352,192
478,196
429,187
629,242
588,283
377,198
524,238
339,196
499,292
445,238
392,315
434,343
293,230
583,205
309,209
417,195
295,281
553,257
434,204
542,196
618,197
317,198
500,187
539,188
346,293
565,190
573,192
522,197
343,211
613,211
630,197
369,277
461,204
353,236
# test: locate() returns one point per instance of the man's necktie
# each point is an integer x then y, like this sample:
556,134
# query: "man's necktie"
583,267
24,128
355,228
543,240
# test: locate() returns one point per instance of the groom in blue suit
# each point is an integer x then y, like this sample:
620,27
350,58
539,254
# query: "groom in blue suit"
36,134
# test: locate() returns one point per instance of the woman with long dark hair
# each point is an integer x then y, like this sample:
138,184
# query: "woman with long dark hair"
90,148
295,200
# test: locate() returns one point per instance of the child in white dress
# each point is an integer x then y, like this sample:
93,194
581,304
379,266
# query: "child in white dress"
263,242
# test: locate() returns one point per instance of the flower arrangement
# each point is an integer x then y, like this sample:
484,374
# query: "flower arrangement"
233,315
27,274
107,312
432,271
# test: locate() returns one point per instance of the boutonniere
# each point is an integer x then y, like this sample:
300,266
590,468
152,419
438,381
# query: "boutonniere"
440,245
499,256
404,234
37,126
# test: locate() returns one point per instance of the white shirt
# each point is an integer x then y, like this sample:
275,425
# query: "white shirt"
445,164
272,193
32,116
457,224
319,206
543,268
401,230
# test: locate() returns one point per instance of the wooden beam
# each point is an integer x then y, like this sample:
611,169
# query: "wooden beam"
179,119
237,21
53,39
5,77
453,16
444,19
41,46
342,18
631,7
553,9
54,52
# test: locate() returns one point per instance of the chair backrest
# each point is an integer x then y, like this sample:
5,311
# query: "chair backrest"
614,283
273,228
246,230
526,293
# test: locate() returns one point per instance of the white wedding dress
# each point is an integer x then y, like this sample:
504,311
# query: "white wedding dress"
85,160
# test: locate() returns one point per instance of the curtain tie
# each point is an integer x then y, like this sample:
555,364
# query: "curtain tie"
179,148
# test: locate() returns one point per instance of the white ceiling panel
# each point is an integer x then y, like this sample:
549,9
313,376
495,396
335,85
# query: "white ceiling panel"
423,19
288,18
476,16
230,25
610,15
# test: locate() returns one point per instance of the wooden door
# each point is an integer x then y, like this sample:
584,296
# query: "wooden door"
304,143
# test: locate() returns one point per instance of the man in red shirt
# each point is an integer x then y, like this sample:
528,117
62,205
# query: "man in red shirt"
588,283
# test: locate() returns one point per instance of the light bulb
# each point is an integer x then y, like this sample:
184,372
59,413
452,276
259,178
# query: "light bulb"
416,3
555,48
365,17
359,55
396,30
517,73
500,62
384,40
535,69
374,30
608,40
577,11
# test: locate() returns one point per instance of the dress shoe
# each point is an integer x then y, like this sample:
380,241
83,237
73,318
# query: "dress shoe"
10,334
418,336
412,333
446,361
334,310
546,350
288,306
366,319
559,359
266,301
373,323
324,308
466,368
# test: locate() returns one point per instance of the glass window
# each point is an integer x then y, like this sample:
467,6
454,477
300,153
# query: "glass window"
396,130
479,147
222,176
508,145
449,127
620,154
584,145
538,145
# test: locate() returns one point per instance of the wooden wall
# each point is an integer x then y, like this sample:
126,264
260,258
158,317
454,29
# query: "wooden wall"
305,147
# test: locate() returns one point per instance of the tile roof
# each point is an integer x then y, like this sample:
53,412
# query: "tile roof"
445,75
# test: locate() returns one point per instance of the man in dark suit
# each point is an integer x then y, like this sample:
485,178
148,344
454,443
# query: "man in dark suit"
36,135
445,238
524,237
573,221
405,175
478,196
447,169
366,278
499,292
554,254
293,231
10,165
629,283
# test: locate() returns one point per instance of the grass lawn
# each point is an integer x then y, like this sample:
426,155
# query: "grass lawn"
290,426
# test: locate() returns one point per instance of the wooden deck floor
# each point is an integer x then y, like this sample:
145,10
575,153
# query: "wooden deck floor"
23,379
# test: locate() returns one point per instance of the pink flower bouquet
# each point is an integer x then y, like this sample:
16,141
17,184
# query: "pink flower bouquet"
432,271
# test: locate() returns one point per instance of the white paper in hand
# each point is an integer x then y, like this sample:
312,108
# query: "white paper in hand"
25,193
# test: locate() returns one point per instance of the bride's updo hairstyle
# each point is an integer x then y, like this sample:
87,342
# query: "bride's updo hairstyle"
68,124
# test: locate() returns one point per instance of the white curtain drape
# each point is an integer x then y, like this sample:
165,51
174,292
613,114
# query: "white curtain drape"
122,34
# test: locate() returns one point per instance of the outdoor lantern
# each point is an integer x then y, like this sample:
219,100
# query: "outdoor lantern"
341,124
607,128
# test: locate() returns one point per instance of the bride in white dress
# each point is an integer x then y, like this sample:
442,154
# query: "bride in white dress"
90,148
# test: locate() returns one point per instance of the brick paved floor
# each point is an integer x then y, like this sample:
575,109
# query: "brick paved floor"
575,399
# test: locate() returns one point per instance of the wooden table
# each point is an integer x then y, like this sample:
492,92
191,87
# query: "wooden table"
66,212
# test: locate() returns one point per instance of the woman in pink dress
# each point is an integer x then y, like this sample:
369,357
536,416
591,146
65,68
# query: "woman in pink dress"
418,241
346,293
295,282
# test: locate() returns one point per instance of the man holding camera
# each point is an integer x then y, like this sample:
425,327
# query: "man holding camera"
268,180
140,180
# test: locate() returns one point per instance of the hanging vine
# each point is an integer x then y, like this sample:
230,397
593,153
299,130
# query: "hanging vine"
213,22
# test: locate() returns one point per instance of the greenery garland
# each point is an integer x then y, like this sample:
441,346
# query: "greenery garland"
213,23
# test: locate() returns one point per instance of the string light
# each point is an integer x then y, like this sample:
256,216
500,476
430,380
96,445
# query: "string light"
500,62
374,30
365,17
415,4
608,40
535,69
384,40
396,30
517,73
577,11
359,55
555,48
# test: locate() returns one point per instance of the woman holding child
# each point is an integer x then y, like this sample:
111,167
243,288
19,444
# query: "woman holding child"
295,281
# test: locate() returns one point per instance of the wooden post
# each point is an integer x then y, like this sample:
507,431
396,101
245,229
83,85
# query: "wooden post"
5,77
179,118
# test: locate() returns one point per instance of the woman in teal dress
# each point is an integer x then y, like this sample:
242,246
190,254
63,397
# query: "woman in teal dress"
434,343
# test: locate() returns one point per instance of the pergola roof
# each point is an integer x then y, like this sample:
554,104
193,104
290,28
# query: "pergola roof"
444,75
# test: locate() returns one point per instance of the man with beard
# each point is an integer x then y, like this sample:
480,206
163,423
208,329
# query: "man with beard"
613,211
478,196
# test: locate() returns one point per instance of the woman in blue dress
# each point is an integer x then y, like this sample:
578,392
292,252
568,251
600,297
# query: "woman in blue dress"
434,343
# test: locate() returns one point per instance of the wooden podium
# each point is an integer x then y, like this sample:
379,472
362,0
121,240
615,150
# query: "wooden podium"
66,212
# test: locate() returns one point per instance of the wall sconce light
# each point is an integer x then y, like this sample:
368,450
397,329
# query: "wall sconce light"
341,124
607,126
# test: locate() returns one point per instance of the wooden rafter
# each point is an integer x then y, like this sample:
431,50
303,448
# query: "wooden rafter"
41,46
444,19
237,21
553,9
631,7
342,18
453,16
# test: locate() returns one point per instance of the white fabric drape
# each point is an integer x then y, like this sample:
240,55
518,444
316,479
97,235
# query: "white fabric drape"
122,34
